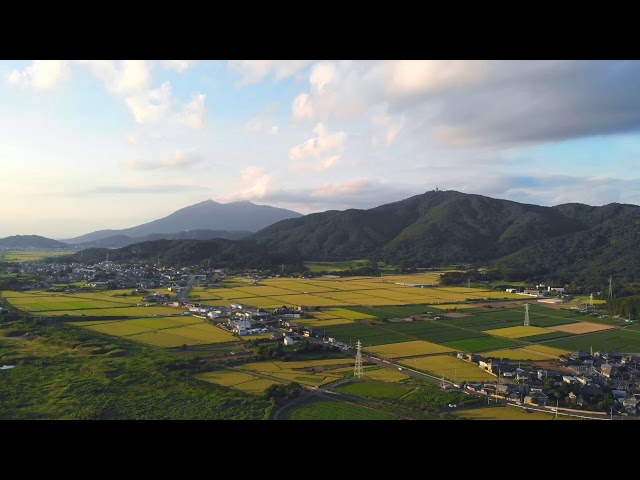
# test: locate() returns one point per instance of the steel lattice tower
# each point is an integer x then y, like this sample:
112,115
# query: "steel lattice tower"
526,314
357,371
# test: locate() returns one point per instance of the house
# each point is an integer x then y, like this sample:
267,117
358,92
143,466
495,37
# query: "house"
555,289
289,340
583,380
630,405
592,390
536,398
503,389
573,398
581,356
569,379
610,369
611,357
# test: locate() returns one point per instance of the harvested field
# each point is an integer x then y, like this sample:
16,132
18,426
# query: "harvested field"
581,327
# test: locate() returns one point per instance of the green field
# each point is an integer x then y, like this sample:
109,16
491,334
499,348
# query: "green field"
449,366
380,390
332,410
163,332
624,341
367,334
15,256
434,331
408,349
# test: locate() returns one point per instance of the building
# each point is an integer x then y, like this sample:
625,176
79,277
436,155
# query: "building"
289,340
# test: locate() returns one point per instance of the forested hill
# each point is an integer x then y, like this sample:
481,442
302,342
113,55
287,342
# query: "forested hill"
219,253
434,228
588,258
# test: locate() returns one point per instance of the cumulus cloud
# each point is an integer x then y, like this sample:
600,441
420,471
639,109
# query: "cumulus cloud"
192,113
131,81
150,105
179,66
414,77
40,75
254,184
254,71
475,103
177,161
319,146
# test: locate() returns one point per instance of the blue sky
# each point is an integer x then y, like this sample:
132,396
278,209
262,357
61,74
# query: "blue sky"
89,145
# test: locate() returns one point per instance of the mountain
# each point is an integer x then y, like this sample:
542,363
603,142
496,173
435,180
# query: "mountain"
564,243
207,215
119,241
31,242
587,258
434,228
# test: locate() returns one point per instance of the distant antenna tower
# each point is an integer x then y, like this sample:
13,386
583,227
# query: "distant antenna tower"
357,371
468,282
526,314
610,289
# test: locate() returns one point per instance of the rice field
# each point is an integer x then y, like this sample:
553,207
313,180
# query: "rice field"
517,332
546,349
581,327
310,372
163,332
502,413
367,334
103,303
349,314
15,256
476,345
227,378
623,341
518,354
434,331
409,349
449,366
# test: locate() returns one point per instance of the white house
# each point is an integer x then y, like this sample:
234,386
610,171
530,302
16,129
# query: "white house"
289,341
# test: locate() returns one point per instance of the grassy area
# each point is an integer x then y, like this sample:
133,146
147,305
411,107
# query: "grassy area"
381,390
333,410
71,373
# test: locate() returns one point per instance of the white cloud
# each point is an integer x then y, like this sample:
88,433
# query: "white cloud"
177,161
412,77
274,130
132,138
317,147
179,66
40,75
302,106
322,75
254,184
193,112
130,81
254,71
150,105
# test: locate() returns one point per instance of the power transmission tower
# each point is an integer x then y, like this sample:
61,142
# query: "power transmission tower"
526,314
610,289
357,371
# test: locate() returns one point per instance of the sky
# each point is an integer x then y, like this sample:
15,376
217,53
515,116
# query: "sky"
87,145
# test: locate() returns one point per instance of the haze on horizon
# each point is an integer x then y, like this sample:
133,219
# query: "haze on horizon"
91,145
